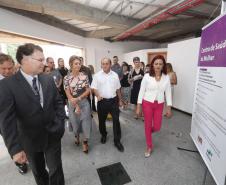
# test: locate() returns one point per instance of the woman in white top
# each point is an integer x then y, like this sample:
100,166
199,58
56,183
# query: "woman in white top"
154,85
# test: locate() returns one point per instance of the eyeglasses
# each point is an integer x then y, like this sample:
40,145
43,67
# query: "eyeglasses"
40,60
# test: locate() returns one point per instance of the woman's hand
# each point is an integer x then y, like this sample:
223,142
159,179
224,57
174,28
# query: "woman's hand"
138,110
77,110
99,98
121,103
130,80
74,101
168,112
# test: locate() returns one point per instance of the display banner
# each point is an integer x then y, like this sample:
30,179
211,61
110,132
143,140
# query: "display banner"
208,128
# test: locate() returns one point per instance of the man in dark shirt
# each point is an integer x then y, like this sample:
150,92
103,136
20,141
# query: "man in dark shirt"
63,71
116,67
54,72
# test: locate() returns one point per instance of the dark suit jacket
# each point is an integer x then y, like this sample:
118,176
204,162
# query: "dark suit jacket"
24,123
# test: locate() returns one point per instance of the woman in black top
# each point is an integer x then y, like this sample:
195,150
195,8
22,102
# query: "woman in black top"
135,78
125,90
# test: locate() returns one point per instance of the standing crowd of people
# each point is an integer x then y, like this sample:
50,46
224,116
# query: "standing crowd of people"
34,95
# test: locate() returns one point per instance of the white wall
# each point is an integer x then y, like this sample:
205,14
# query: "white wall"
184,58
142,54
64,52
94,49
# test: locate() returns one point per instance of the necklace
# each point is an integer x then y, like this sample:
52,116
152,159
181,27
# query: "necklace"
158,78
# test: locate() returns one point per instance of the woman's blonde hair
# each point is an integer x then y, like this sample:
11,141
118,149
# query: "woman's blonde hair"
170,67
72,59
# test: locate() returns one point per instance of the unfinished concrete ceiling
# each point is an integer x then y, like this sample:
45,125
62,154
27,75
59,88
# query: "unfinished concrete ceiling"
118,20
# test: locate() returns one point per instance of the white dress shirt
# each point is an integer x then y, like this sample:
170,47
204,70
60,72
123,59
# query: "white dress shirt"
106,84
29,79
152,90
1,77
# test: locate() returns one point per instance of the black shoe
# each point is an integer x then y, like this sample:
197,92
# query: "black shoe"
22,168
103,139
119,146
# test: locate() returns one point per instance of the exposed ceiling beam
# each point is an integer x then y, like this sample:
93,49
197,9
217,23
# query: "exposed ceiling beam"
172,34
196,14
47,19
171,25
139,38
161,8
124,5
159,29
107,5
71,10
213,3
104,33
138,11
177,8
87,2
145,3
178,36
107,17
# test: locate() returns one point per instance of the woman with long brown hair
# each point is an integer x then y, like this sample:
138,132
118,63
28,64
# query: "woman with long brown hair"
154,85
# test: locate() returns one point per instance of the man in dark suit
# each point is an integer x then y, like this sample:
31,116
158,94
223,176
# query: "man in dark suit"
32,117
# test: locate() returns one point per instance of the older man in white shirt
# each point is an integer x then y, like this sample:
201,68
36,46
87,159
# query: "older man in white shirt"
106,86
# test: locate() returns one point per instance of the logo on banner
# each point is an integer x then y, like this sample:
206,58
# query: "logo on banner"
200,140
209,154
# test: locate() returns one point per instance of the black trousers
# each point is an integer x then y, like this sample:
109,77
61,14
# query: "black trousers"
93,103
111,106
51,158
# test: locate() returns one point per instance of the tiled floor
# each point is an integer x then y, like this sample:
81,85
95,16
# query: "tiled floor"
166,166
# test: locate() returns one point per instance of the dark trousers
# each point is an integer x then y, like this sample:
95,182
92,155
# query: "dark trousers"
93,103
51,158
104,107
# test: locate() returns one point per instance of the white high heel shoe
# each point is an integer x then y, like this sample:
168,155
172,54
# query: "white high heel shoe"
148,153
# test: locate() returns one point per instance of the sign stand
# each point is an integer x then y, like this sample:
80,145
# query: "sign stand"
196,151
187,150
205,174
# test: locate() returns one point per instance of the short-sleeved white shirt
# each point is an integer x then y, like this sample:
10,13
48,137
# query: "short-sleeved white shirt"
106,84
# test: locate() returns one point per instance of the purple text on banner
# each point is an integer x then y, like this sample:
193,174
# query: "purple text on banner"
213,45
